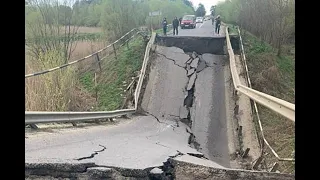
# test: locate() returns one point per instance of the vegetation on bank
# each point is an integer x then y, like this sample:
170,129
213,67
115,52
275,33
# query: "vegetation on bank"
115,76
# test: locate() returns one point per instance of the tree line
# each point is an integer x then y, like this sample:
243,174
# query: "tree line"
272,21
61,19
109,14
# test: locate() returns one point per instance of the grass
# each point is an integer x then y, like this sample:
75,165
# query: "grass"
74,88
52,91
115,76
59,90
232,28
275,76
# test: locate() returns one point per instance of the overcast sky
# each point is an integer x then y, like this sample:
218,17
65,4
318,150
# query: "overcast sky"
207,3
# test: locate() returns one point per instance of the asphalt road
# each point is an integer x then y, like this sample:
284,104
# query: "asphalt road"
209,118
135,144
205,29
147,141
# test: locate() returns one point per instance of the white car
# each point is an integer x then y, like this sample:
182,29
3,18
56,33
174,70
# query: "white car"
199,20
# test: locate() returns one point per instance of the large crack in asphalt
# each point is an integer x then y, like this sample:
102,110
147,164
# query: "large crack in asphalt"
173,127
93,154
174,61
193,66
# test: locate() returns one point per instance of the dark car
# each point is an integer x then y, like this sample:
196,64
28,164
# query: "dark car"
188,21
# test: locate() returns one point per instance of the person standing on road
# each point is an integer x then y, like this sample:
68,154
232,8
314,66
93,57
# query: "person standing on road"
180,19
217,25
175,25
164,26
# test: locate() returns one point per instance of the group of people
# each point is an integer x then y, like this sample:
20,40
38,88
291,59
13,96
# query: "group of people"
176,22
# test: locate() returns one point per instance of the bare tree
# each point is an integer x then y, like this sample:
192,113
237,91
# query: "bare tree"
52,26
271,21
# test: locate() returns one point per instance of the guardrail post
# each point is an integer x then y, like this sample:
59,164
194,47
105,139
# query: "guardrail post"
128,44
257,163
33,126
240,130
246,152
274,167
99,63
115,52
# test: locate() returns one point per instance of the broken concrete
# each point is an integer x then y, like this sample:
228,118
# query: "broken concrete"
191,81
190,71
208,115
201,66
200,169
194,55
194,63
167,80
97,173
183,112
158,136
211,61
157,174
175,54
198,161
200,45
179,167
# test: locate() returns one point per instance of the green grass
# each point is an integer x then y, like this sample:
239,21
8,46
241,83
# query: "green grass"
232,29
87,81
275,76
114,73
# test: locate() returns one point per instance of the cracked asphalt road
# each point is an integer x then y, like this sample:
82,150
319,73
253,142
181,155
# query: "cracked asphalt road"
136,144
148,141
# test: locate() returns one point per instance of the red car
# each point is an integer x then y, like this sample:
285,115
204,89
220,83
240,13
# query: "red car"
188,21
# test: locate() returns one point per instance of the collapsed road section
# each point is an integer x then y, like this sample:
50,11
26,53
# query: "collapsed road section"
184,129
190,88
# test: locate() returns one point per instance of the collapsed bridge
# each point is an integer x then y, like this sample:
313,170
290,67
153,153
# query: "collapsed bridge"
184,123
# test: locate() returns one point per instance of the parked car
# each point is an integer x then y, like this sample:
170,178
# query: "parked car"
188,21
199,20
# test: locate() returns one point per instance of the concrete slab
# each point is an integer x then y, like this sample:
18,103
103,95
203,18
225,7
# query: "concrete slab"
191,81
194,63
201,66
164,92
190,71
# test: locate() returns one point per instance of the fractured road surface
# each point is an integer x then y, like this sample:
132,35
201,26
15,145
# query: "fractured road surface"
181,92
137,144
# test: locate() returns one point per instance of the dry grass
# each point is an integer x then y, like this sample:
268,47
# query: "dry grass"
83,29
60,90
89,29
52,91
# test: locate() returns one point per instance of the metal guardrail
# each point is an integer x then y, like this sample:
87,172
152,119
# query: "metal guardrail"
34,117
143,69
256,109
79,60
280,106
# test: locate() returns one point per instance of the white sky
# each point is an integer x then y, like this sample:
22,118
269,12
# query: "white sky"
207,4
